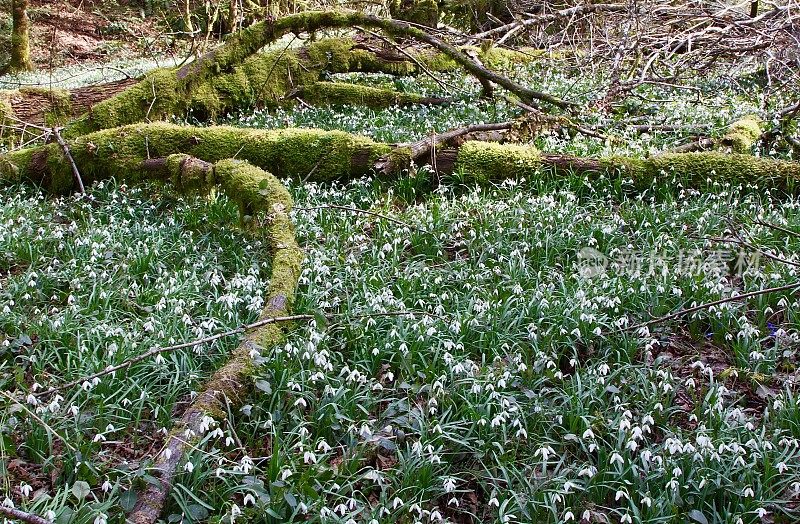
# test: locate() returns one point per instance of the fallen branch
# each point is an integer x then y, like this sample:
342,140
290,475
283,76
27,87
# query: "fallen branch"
422,148
76,174
16,514
707,305
168,349
255,190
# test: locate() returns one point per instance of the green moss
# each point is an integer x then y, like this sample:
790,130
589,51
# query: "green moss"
743,134
6,111
156,97
423,12
699,168
487,161
318,155
339,93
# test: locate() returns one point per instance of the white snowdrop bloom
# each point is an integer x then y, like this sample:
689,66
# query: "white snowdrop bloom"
188,467
25,489
101,518
647,501
449,484
50,515
99,438
748,492
249,500
620,494
106,487
761,512
616,457
397,502
309,457
494,502
544,452
568,516
626,519
235,512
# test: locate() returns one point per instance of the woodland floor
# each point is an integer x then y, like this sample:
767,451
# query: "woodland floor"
511,394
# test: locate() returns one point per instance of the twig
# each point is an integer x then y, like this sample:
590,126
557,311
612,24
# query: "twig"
444,85
18,514
777,227
710,304
749,246
75,173
168,349
236,331
38,419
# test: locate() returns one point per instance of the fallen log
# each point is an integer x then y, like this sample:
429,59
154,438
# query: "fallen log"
311,154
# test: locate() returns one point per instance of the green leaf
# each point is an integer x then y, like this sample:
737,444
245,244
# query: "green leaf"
290,499
81,489
320,319
697,516
264,386
127,500
197,512
65,516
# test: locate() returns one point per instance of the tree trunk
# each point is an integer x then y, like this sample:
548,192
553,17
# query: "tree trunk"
20,43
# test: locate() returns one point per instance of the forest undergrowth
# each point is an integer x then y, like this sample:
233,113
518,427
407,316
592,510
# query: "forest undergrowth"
514,387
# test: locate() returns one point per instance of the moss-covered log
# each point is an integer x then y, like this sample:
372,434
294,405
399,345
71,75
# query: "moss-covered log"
325,155
486,162
263,80
340,93
123,151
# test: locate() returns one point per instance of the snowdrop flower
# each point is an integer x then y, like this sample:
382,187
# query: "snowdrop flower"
188,467
101,518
